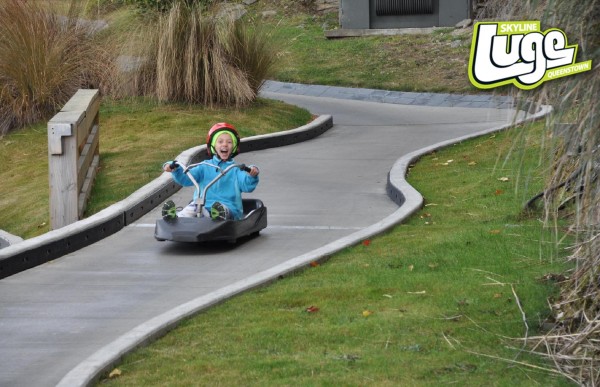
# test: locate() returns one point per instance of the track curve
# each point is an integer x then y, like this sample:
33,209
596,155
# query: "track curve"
65,321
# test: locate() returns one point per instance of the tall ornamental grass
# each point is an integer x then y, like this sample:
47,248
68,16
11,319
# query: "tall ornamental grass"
572,188
574,344
194,58
44,58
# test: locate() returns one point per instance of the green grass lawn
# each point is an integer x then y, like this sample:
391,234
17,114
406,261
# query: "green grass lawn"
136,137
434,62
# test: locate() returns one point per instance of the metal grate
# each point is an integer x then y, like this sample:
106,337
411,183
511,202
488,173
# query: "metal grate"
403,7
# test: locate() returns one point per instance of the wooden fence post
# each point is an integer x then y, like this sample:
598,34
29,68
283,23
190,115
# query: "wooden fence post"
73,156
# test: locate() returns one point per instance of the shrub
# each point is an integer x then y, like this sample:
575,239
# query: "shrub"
250,51
573,186
44,59
199,59
575,341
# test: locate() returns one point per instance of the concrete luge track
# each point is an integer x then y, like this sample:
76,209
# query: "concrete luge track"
65,321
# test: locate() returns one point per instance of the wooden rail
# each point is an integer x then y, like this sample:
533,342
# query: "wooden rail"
73,156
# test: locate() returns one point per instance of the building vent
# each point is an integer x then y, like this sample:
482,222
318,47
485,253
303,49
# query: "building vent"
403,7
393,14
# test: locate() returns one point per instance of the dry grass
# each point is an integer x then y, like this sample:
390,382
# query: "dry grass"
199,59
573,187
250,50
181,56
44,59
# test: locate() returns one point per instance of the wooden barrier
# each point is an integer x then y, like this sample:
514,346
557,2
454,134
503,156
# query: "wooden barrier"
73,156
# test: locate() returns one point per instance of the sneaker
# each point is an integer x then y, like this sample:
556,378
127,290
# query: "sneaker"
189,211
169,211
219,212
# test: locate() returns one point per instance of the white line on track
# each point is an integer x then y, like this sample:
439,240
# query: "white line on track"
280,227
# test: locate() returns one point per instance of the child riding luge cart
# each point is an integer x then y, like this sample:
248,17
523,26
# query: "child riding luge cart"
217,211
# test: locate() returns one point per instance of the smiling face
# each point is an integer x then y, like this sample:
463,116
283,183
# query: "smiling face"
224,146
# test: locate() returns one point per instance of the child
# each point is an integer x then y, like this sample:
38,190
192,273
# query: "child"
224,198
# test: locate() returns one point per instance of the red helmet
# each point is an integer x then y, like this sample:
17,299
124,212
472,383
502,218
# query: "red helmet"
214,132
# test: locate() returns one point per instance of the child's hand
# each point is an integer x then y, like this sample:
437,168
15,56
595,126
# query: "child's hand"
167,167
253,171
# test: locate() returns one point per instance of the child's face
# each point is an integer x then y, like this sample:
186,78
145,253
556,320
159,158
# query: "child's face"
224,146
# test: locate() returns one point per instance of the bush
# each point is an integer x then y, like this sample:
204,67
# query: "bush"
199,59
44,59
573,187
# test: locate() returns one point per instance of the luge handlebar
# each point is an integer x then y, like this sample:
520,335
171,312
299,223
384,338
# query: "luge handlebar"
175,164
186,169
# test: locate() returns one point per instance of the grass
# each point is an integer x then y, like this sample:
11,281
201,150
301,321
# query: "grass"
43,61
207,61
128,130
435,63
430,302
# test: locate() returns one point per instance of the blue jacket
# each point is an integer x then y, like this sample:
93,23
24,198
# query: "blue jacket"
227,190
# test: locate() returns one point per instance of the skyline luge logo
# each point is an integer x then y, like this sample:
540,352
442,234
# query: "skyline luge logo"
518,52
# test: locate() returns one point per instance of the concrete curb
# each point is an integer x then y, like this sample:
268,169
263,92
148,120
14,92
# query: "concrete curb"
7,239
484,101
56,243
409,200
358,32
